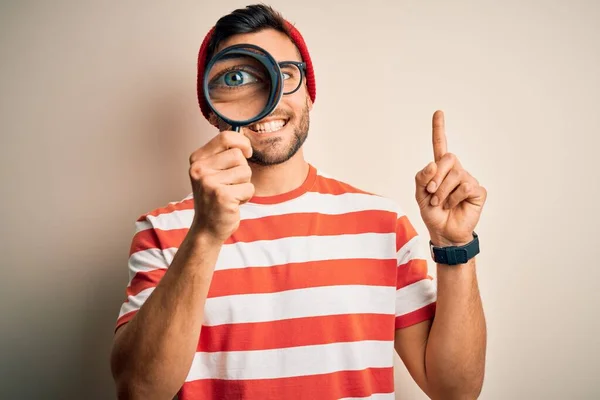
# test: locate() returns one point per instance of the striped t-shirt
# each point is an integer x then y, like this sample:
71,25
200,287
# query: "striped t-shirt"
306,294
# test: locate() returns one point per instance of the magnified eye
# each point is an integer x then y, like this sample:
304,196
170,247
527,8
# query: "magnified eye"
235,79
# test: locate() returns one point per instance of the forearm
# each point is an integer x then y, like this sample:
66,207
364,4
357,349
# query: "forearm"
153,354
455,354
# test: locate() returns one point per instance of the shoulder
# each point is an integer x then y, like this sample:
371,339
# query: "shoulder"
348,193
173,215
164,227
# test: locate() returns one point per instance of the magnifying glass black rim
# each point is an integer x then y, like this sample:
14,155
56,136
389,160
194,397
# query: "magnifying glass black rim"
274,72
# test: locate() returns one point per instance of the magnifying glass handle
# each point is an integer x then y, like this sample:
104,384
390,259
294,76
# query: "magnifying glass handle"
236,128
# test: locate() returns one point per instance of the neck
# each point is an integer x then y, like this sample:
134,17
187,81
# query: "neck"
273,180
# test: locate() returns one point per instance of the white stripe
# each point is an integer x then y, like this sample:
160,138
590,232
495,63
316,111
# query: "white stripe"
298,303
265,253
180,219
292,361
412,250
146,223
415,296
149,260
310,202
377,396
134,303
142,225
313,202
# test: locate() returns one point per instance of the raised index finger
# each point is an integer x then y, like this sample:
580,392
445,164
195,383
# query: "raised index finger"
439,135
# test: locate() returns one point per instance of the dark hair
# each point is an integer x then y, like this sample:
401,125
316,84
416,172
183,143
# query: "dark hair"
253,18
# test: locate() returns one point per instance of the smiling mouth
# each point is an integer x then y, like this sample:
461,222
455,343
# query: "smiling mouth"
269,126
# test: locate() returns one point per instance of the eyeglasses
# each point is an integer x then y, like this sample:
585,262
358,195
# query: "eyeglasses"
245,75
292,73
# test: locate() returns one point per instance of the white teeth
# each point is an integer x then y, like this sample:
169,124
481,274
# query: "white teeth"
267,127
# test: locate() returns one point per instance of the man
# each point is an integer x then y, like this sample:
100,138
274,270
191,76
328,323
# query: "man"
274,281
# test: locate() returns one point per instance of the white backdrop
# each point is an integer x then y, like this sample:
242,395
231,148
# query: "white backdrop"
98,115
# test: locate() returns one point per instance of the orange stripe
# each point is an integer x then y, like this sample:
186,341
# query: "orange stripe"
335,385
404,232
171,238
296,276
157,239
411,272
143,240
332,186
277,227
286,277
303,275
305,224
124,319
296,332
412,318
145,280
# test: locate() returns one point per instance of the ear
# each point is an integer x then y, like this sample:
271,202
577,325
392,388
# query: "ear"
309,102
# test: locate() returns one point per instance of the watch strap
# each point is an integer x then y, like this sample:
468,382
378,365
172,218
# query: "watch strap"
454,255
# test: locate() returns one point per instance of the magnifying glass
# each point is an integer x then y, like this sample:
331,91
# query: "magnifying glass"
242,84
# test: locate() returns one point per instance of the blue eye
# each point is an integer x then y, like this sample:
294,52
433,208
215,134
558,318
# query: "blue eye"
236,79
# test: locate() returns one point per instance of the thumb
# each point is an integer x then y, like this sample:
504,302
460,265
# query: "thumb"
422,179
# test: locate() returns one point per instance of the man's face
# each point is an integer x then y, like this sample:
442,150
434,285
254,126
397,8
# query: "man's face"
277,137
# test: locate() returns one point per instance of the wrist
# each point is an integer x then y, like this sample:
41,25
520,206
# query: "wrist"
440,241
204,237
197,254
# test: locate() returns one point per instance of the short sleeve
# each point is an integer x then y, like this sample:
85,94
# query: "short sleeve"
416,292
147,265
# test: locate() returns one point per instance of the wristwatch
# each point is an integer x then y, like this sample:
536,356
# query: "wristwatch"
454,255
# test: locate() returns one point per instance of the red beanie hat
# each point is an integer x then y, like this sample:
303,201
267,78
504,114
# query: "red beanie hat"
296,38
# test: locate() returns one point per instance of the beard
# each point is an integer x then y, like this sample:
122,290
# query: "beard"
271,151
271,155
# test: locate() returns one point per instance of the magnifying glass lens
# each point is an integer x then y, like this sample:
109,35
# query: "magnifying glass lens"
239,87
